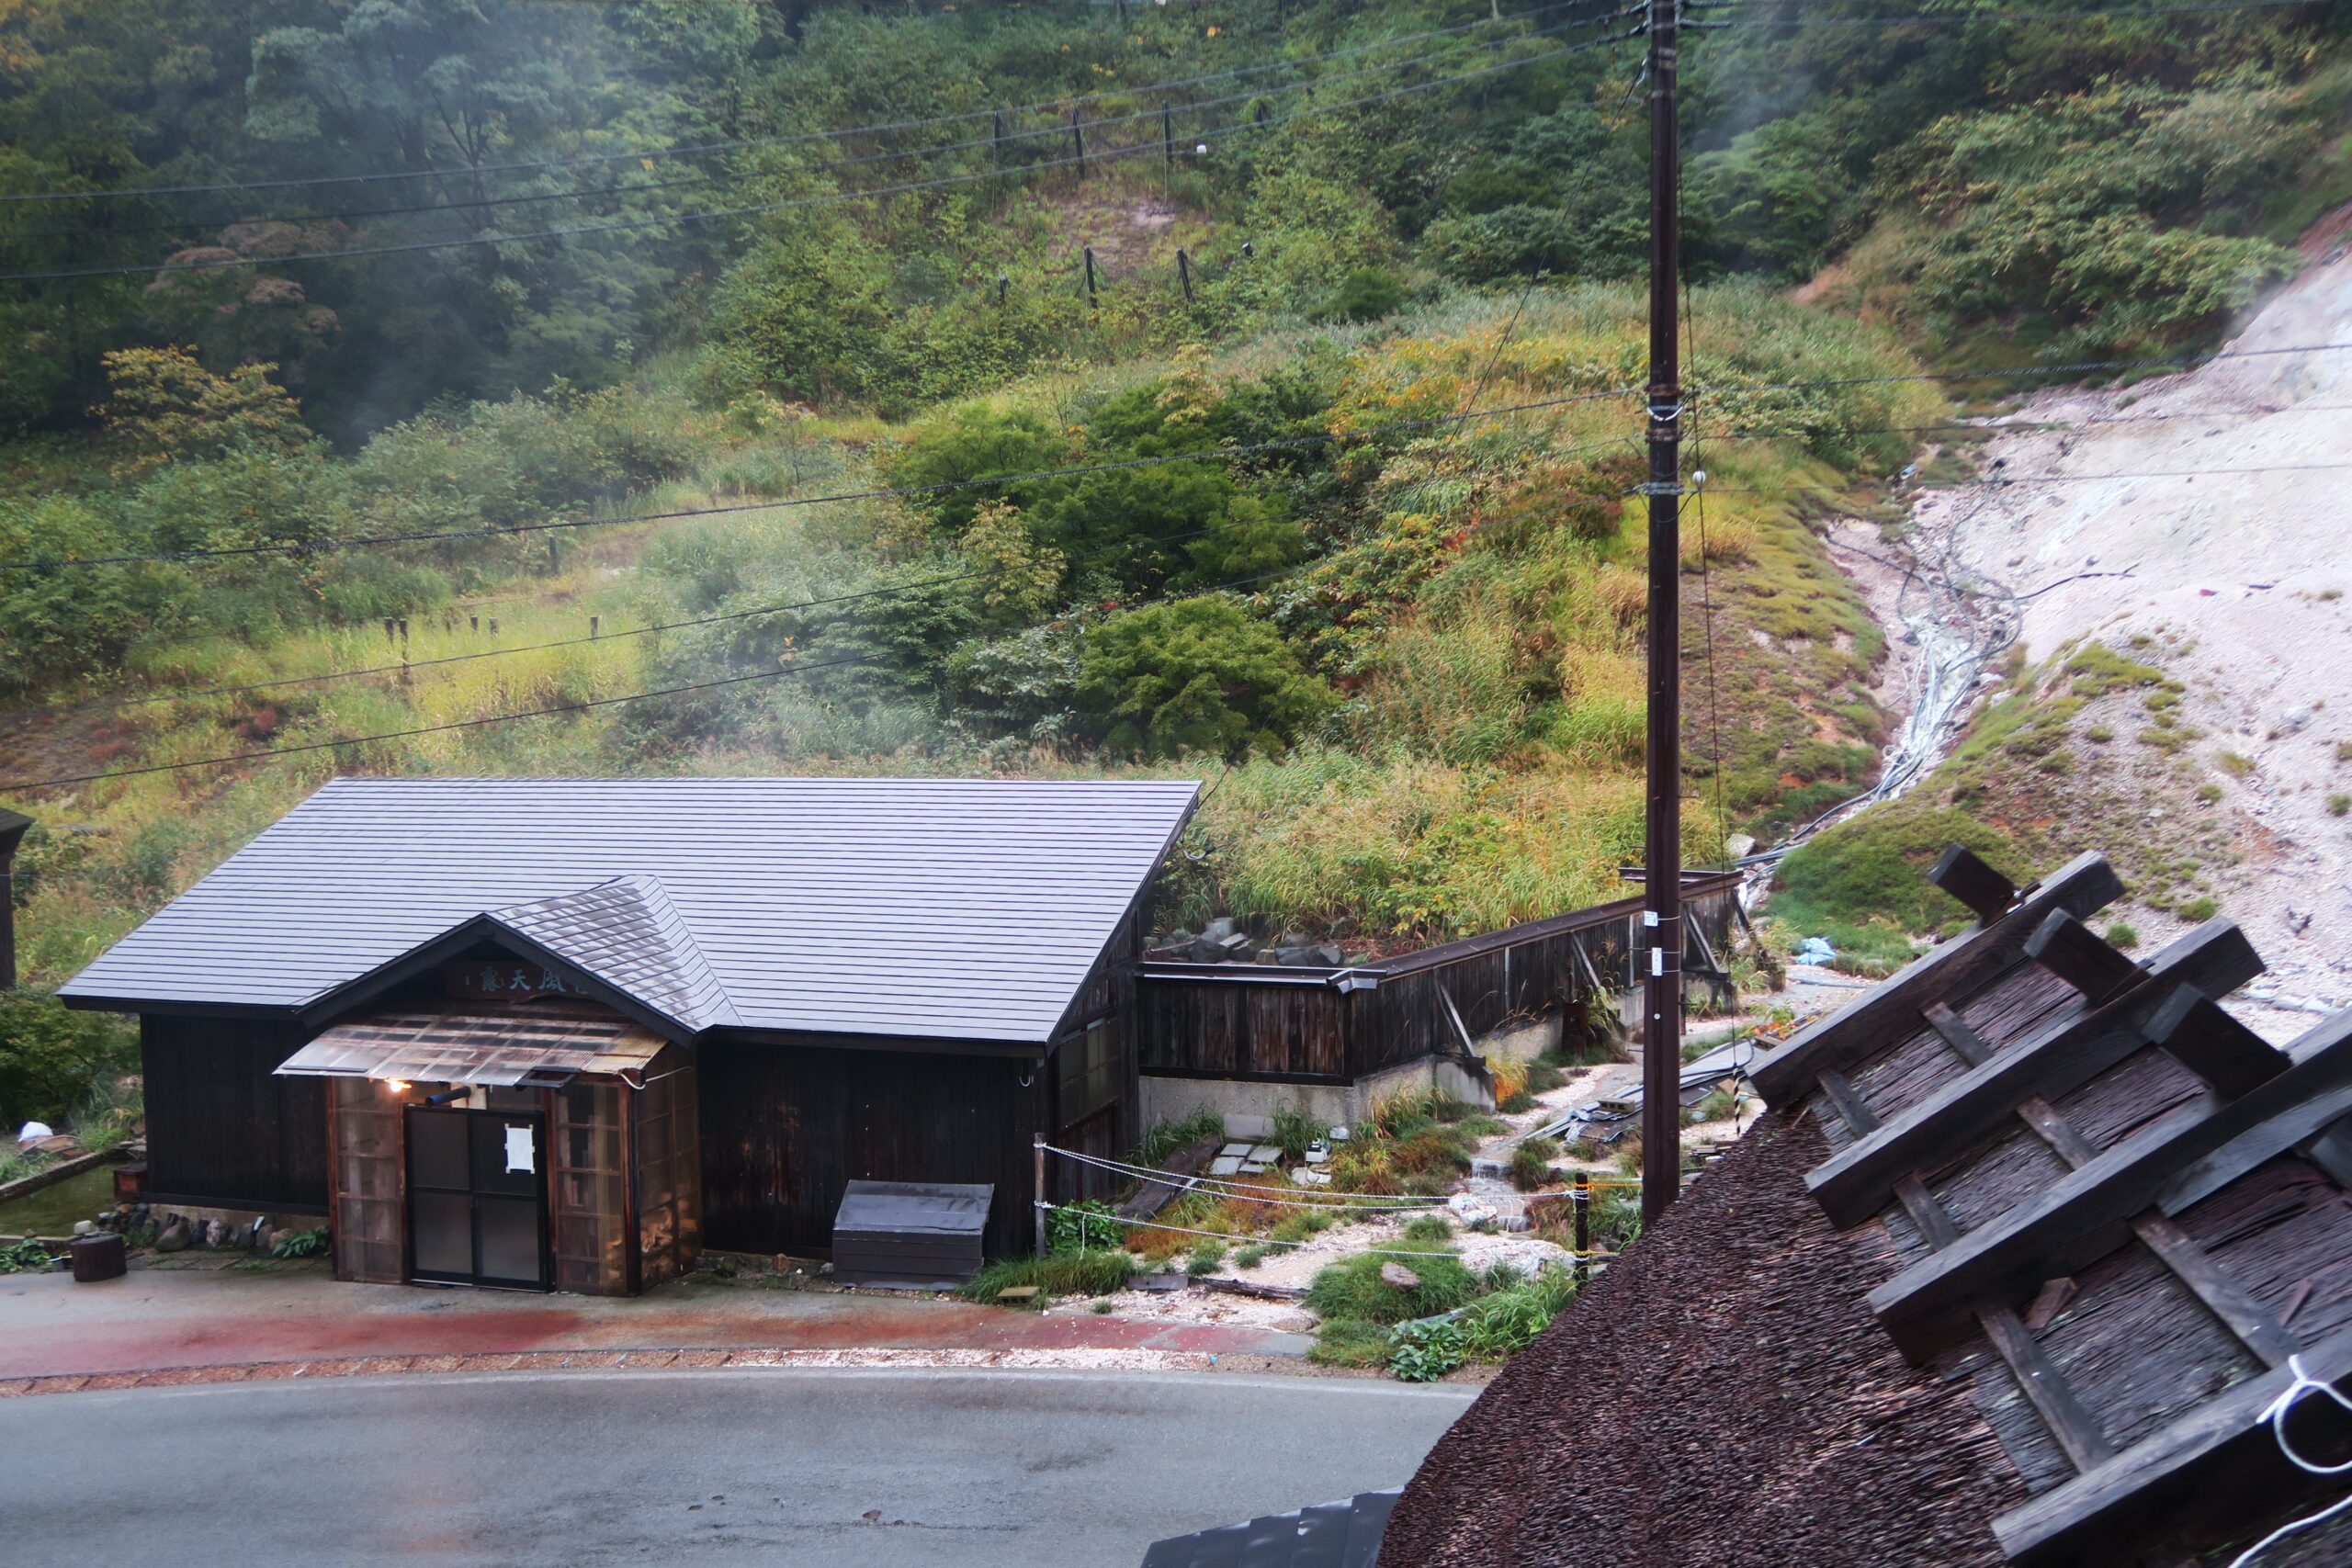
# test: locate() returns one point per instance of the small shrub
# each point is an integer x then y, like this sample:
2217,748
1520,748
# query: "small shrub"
1160,1143
1531,1163
1077,1274
1303,1224
1205,1260
1718,1106
2209,793
2337,805
1364,295
1101,1309
2237,764
1293,1130
2120,934
2202,907
1350,1342
1514,1103
1507,1320
1249,1257
301,1244
26,1257
1544,1074
1082,1226
1352,1288
2098,734
1428,1227
1425,1351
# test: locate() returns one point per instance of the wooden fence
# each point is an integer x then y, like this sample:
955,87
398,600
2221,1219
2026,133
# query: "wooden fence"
1312,1024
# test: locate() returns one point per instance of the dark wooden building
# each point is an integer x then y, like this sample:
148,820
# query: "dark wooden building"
563,1033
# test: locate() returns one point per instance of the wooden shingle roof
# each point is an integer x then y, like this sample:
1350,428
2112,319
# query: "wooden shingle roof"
2065,1181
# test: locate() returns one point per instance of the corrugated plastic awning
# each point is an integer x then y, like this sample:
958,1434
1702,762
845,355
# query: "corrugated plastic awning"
524,1048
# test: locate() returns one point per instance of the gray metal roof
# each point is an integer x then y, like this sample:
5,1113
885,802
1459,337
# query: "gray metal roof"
934,907
627,933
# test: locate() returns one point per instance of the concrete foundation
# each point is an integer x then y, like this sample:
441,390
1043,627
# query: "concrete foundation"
1344,1105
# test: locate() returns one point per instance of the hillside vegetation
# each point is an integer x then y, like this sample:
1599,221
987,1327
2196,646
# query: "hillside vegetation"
607,384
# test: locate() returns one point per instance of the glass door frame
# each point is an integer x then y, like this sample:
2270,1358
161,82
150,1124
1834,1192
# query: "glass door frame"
473,1193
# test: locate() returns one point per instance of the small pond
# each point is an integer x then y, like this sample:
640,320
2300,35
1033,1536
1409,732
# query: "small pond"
54,1209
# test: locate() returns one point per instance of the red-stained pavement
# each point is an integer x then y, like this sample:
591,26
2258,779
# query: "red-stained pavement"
157,1321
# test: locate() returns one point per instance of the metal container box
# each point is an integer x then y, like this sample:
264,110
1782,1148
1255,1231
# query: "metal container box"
909,1235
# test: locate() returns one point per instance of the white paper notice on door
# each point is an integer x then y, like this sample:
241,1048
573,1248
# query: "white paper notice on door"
518,1150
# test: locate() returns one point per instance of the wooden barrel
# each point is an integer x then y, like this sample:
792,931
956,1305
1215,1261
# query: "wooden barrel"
98,1255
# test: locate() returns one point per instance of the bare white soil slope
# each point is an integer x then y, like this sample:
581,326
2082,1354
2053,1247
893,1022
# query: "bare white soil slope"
2225,493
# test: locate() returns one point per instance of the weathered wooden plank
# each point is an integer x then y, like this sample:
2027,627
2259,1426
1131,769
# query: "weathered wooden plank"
2239,1313
2081,958
2083,1215
1959,872
2204,1466
1948,974
1965,1043
2076,1430
1853,1184
2198,1034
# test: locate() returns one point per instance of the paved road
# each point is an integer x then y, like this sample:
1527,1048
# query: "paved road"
795,1469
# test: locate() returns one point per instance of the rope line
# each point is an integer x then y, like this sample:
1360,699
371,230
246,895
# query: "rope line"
1265,1241
2274,1416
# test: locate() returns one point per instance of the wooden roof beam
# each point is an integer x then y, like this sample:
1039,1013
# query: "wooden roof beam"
2195,1032
2083,1215
1948,974
2190,1478
1961,874
1855,1183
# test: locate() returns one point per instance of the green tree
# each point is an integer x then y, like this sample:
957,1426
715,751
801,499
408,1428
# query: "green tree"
167,408
1198,674
49,1058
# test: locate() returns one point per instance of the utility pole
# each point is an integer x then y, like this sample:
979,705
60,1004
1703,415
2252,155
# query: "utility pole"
1662,865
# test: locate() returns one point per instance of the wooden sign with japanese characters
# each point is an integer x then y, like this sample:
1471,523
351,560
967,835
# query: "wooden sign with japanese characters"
505,980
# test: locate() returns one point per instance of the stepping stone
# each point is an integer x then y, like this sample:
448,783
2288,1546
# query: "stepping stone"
1162,1282
1234,1151
1017,1294
1266,1152
1254,1168
1225,1165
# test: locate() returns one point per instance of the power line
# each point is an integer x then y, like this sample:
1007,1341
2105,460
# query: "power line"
890,590
1935,18
582,706
1058,129
876,493
1106,155
795,139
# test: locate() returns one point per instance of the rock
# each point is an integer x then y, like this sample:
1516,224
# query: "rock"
1309,1178
1339,1134
1400,1277
1219,929
1234,944
216,1234
85,1227
1268,955
1292,955
2295,719
1468,1209
174,1237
